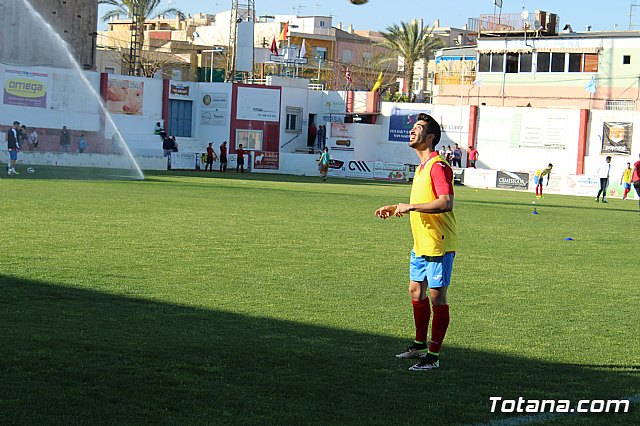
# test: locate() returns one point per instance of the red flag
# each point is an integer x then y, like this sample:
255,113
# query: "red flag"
348,75
274,47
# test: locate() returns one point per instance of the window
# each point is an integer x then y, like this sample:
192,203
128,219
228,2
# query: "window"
590,62
250,139
322,23
110,70
320,52
347,56
294,120
544,61
512,63
526,60
626,60
484,62
497,62
575,62
557,62
180,113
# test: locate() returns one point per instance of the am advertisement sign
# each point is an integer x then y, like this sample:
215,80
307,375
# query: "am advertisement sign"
401,122
512,180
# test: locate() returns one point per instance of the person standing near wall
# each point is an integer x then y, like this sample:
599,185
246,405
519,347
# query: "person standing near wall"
13,145
311,136
457,156
33,140
603,174
211,155
65,139
82,143
240,161
635,178
223,157
473,157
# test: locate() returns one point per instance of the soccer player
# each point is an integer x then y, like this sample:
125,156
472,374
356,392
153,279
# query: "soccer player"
323,163
223,156
539,179
211,155
435,241
13,145
625,180
603,173
635,178
240,159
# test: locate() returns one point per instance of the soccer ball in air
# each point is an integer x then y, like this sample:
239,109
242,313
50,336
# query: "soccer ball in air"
358,2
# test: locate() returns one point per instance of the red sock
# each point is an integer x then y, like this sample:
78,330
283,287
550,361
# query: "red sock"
421,316
439,327
626,191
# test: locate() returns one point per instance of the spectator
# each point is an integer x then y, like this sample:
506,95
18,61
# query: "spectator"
322,136
473,156
33,140
158,129
82,143
174,144
457,156
65,139
603,174
211,155
311,137
223,157
167,145
240,164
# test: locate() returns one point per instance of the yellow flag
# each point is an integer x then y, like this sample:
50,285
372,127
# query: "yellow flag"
378,83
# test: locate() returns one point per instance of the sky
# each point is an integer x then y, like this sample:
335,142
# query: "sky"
379,14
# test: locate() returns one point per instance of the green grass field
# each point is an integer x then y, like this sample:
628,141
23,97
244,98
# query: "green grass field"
200,299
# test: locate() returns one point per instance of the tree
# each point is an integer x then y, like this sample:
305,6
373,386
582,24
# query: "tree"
412,43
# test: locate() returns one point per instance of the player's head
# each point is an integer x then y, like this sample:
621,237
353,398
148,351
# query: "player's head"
425,131
210,143
240,145
326,149
16,124
608,159
628,165
550,166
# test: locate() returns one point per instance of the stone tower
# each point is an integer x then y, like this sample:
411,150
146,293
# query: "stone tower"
24,41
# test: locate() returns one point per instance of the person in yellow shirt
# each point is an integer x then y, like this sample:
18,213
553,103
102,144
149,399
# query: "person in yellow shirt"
538,179
625,180
435,242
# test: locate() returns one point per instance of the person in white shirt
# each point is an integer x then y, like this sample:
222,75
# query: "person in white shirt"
603,174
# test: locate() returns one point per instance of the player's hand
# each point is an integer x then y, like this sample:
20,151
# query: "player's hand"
402,209
385,212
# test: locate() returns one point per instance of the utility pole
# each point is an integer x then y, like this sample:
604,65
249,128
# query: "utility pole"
135,45
241,11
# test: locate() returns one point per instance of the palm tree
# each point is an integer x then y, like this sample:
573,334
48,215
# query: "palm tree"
147,10
411,42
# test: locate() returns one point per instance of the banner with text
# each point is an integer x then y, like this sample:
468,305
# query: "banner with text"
25,88
616,138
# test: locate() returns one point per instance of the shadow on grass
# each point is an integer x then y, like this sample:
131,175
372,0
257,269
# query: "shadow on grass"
540,205
155,175
78,356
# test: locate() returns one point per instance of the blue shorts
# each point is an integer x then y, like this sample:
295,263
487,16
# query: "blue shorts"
539,180
436,270
627,185
13,154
